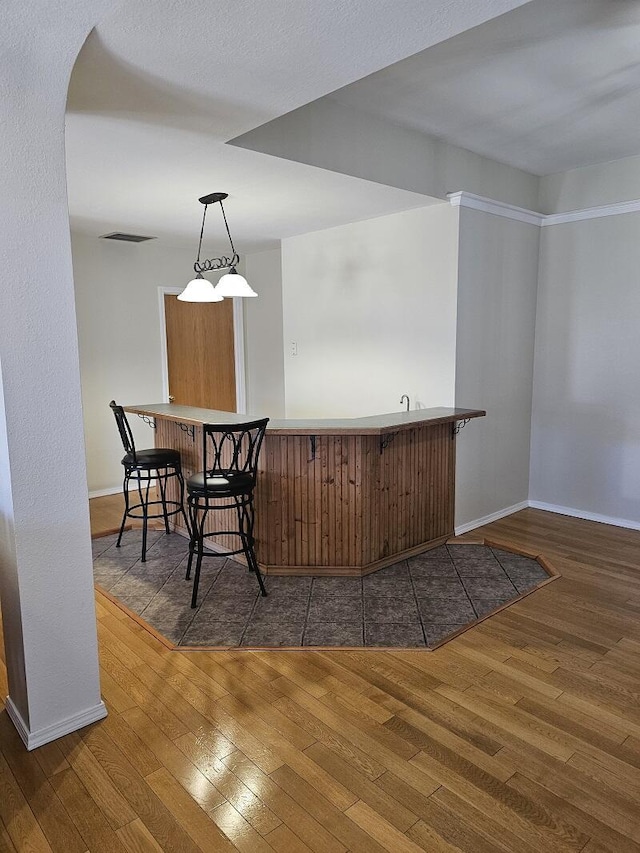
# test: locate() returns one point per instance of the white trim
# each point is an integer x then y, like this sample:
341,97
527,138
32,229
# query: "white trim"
101,493
163,338
587,516
559,510
487,519
532,217
32,740
238,350
615,209
117,490
238,347
498,208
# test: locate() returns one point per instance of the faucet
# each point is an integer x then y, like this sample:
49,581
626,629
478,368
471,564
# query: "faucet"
403,398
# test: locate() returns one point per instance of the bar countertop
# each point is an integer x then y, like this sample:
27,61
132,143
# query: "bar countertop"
371,425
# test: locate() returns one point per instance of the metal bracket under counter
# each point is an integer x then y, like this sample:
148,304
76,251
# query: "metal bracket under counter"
458,425
385,440
148,421
189,429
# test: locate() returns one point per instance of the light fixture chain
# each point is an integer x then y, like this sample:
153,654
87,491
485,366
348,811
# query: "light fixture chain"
204,216
226,225
215,264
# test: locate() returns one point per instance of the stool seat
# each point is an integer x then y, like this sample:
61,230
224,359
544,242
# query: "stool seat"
152,458
141,468
230,468
221,484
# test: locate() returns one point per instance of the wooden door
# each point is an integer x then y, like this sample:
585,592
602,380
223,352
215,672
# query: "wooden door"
200,353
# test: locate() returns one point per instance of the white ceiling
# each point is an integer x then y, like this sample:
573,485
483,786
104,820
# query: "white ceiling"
161,86
156,192
547,87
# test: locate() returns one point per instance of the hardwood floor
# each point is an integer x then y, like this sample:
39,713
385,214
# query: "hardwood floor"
520,736
106,514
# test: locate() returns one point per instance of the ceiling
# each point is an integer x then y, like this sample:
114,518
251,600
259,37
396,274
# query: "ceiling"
161,86
547,87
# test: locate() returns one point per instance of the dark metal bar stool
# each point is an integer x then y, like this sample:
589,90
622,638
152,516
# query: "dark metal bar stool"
144,466
230,461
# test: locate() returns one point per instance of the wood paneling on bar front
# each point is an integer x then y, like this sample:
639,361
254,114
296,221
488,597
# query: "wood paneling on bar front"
359,503
338,503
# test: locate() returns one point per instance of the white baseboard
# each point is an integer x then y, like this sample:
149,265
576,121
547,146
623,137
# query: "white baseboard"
487,519
587,516
559,510
32,740
116,490
100,493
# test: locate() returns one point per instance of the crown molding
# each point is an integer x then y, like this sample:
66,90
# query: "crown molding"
615,209
532,217
498,208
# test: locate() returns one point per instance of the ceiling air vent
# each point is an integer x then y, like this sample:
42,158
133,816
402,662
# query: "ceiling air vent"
126,238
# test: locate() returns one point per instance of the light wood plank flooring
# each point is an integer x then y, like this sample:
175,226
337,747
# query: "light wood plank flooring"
520,736
106,515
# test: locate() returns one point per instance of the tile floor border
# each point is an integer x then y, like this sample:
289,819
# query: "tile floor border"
493,544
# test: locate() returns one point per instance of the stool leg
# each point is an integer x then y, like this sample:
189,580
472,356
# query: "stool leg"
161,479
144,501
245,526
125,491
184,514
193,516
252,556
196,577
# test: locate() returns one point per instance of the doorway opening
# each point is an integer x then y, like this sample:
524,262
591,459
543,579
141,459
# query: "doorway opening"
203,361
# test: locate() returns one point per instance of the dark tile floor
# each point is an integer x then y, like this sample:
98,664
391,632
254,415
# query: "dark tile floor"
414,603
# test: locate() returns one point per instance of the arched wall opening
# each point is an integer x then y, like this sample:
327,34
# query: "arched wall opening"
46,585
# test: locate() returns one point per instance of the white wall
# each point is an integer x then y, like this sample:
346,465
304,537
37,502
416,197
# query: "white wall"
119,335
372,309
46,581
590,186
339,138
263,335
586,402
497,283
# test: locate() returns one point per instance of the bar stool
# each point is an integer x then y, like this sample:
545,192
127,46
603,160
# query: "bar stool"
143,466
230,461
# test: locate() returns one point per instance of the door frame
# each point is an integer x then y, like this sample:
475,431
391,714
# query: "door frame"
238,348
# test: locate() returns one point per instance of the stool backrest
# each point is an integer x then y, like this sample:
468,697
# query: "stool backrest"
233,447
124,429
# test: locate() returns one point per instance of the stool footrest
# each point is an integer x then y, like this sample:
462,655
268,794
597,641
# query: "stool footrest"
131,510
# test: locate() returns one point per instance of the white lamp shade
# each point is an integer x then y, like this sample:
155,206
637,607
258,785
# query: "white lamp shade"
234,284
200,290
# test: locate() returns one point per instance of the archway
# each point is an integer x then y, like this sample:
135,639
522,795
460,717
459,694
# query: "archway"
45,561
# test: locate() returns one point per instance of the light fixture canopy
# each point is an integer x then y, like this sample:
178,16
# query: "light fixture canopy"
231,284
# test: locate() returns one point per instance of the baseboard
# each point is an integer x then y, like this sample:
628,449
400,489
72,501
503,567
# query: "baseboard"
494,516
101,493
116,490
32,740
559,510
584,514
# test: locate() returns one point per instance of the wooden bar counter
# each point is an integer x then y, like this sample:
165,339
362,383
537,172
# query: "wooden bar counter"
338,496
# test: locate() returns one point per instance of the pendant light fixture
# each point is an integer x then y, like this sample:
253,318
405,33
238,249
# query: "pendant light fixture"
232,283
